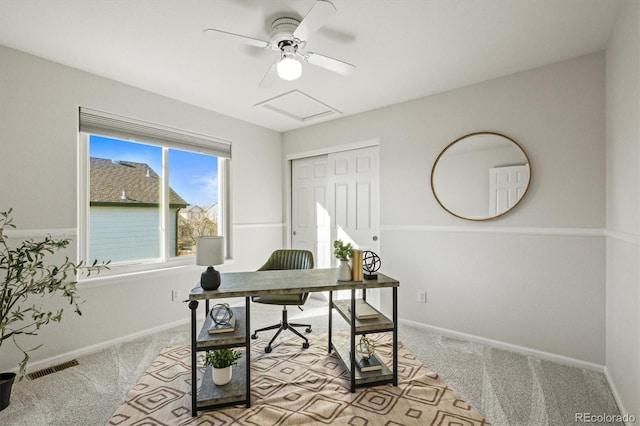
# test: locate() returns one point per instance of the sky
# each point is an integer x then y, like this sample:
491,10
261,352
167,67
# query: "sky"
193,176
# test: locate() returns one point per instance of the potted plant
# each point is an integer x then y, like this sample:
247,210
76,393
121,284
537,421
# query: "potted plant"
343,252
222,361
24,276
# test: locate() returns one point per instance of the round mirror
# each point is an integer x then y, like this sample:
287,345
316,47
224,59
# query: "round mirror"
480,176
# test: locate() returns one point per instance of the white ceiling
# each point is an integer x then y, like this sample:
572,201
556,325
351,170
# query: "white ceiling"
402,49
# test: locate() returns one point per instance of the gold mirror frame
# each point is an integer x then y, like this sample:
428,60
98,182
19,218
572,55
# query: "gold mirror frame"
461,215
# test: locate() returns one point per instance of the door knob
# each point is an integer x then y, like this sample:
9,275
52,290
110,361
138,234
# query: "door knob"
295,233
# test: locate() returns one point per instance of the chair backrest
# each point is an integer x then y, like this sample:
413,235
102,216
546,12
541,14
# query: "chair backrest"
288,259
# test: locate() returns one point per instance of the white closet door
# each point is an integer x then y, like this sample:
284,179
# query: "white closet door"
310,216
336,196
353,194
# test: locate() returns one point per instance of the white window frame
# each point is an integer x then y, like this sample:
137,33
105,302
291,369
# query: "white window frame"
165,261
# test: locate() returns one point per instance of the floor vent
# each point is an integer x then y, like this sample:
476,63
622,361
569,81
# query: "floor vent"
50,370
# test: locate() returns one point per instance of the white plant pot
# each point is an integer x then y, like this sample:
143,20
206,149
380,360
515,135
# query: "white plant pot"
344,271
221,376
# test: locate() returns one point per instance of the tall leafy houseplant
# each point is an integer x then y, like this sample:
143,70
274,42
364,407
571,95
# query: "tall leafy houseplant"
25,275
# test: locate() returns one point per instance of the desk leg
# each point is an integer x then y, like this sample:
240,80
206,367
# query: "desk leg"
248,350
193,305
352,338
330,319
395,336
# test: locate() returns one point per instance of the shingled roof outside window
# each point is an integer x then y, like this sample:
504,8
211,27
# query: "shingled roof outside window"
126,183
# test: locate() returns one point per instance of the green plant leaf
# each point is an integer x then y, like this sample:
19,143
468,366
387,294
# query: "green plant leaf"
221,358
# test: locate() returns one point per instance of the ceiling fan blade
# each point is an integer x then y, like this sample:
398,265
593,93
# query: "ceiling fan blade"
270,76
237,37
328,63
315,18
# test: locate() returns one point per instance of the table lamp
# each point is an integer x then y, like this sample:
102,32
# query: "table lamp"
209,252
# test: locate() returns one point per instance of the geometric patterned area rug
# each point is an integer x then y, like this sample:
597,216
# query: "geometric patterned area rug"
292,386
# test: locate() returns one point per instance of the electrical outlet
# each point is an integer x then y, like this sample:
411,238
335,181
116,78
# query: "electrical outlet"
175,295
422,297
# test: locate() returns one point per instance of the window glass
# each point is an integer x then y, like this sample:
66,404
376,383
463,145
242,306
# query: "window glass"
127,212
195,177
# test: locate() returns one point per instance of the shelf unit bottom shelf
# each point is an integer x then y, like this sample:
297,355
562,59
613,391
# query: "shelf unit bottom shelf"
362,378
211,395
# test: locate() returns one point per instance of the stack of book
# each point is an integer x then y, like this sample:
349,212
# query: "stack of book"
368,364
223,328
364,310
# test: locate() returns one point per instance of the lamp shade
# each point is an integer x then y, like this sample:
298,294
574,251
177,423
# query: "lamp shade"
209,251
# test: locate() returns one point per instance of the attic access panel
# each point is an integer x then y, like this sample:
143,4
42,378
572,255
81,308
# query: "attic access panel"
298,106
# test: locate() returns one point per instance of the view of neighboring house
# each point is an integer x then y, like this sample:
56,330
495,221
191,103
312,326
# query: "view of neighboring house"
124,213
193,222
196,212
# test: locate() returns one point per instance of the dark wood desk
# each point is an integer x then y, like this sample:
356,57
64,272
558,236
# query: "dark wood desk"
247,284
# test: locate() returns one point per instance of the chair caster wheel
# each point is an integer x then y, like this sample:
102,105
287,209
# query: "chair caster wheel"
267,349
305,345
307,330
254,336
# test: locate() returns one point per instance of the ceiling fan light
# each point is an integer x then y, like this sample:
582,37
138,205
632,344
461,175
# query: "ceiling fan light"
289,68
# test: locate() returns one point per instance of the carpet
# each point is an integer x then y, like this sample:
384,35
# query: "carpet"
292,386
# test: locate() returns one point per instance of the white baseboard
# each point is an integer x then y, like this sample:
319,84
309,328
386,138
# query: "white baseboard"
508,346
54,360
616,394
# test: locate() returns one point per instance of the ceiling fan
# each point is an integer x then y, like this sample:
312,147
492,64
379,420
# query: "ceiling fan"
289,36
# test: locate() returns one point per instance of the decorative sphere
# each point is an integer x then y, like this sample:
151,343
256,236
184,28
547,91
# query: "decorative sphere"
370,262
365,348
221,313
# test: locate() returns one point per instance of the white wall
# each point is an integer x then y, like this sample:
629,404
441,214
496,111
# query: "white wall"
533,278
39,103
623,208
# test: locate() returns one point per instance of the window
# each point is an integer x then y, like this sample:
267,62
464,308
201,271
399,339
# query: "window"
147,192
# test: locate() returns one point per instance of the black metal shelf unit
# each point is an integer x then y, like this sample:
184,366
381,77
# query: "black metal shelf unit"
236,392
345,348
